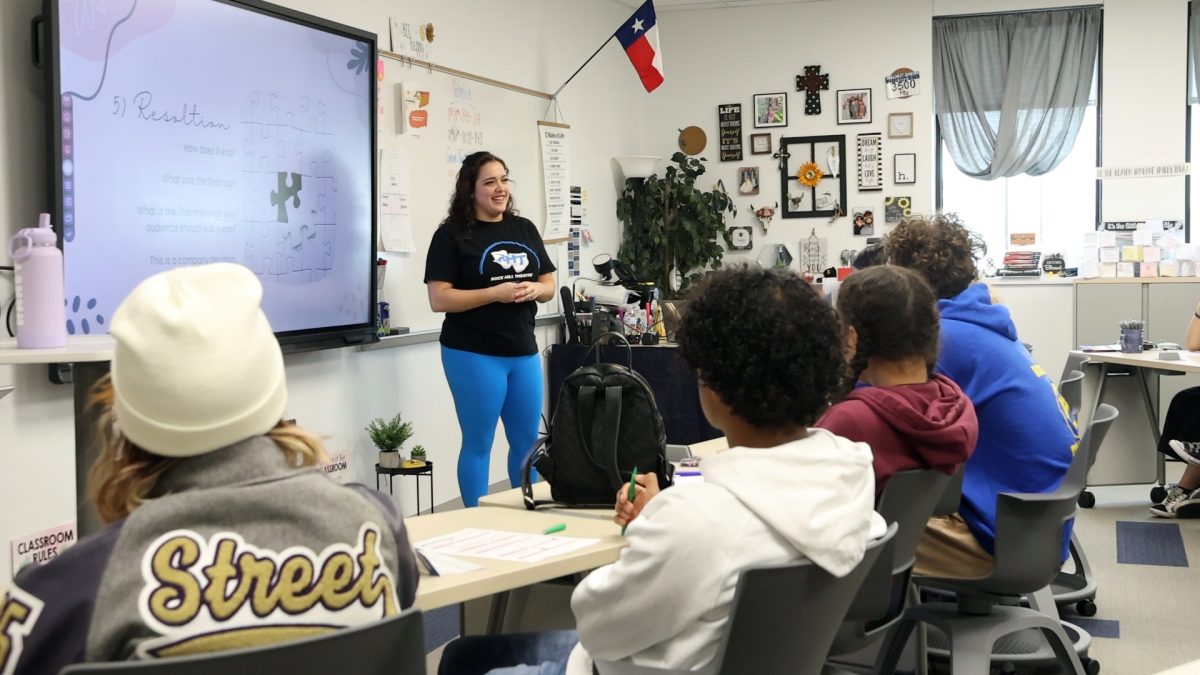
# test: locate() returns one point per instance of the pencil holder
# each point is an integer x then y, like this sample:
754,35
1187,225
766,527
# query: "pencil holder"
1131,337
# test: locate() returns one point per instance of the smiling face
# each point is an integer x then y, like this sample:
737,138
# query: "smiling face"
491,192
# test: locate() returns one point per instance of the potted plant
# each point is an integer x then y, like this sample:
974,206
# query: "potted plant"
389,436
418,455
671,226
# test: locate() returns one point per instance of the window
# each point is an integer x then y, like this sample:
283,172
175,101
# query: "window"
1058,207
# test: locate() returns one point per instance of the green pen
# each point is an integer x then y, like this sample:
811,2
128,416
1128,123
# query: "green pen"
632,494
555,528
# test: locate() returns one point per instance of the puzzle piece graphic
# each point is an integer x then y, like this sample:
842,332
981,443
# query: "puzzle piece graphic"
280,195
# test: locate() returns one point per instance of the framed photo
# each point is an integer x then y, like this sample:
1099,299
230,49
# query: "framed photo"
854,106
900,125
760,144
904,168
748,180
770,110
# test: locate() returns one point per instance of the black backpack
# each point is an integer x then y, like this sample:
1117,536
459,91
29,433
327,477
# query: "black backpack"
605,424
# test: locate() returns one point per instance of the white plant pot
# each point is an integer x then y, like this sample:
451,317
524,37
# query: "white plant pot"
389,460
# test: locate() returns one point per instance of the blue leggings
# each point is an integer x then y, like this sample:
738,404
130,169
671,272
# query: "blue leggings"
485,389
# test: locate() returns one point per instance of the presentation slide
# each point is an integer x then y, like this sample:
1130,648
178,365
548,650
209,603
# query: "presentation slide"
194,131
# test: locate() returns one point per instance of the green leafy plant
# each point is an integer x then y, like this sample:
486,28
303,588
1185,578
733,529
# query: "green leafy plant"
418,452
389,435
669,223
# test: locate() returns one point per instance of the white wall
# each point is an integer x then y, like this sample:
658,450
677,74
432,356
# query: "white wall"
727,55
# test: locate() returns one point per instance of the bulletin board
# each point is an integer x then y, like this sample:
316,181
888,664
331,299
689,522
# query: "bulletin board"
462,116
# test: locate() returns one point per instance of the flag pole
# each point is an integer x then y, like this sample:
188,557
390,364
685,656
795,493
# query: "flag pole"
564,84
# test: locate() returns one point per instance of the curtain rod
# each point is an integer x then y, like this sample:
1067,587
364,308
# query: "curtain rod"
463,74
1039,10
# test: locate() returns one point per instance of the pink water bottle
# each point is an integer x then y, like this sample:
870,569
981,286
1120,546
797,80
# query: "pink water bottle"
41,305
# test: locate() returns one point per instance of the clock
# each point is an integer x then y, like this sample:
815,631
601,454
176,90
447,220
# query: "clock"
900,125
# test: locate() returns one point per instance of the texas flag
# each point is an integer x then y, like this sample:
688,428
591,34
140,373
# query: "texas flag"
639,37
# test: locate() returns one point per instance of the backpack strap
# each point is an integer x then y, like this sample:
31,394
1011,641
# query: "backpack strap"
541,449
612,336
612,429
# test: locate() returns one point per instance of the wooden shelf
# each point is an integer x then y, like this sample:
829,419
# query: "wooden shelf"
85,348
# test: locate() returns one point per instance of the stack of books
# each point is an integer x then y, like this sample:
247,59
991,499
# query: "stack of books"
1021,264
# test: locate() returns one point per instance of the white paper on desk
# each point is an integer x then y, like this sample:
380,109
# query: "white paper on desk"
1109,254
1106,239
502,545
447,565
1143,236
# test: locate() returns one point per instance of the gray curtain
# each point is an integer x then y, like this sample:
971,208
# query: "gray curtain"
1011,89
1194,47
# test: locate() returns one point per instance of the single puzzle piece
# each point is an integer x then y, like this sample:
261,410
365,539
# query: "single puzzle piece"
284,191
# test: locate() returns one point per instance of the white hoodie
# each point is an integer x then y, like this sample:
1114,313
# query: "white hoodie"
665,601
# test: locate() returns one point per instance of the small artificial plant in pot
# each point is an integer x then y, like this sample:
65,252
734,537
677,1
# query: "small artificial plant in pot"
671,226
389,436
418,454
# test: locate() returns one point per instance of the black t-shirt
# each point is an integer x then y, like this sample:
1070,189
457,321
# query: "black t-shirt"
492,253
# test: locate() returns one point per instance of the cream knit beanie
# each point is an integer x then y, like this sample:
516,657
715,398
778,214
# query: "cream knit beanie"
196,366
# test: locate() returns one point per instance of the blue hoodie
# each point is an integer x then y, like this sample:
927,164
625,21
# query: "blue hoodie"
1026,440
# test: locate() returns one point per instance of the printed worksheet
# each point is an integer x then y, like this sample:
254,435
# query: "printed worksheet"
501,545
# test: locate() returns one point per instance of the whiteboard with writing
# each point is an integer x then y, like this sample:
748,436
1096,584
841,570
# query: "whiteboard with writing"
459,116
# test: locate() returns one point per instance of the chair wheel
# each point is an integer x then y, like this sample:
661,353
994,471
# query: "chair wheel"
1087,500
1157,494
1091,666
1085,608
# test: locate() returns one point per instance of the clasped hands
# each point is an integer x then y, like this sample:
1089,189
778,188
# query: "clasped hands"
517,291
646,486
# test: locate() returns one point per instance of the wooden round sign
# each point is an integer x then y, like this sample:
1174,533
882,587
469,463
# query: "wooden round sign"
692,140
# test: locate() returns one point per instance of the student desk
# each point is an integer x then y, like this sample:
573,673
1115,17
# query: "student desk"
513,499
1146,365
673,383
498,577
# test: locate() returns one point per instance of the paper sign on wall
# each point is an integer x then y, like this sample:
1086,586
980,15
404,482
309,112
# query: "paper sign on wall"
556,174
414,108
39,548
902,83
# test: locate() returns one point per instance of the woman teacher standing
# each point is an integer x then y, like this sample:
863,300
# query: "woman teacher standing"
486,266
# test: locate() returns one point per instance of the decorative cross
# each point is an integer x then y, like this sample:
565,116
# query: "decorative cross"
782,155
811,83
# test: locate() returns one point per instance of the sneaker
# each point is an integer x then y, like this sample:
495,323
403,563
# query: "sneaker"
1188,451
1175,496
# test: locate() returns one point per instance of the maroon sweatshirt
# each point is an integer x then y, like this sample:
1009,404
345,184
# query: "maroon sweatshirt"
913,426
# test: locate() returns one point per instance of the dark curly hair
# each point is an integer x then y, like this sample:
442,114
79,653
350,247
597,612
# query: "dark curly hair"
893,313
765,343
870,256
462,203
941,249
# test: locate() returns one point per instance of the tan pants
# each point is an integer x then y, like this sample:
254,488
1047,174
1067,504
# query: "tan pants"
948,549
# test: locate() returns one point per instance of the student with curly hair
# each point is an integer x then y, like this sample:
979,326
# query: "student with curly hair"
1026,438
782,492
911,417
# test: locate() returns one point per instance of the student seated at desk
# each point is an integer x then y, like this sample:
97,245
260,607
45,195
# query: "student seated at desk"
1026,438
911,417
222,533
782,492
1181,439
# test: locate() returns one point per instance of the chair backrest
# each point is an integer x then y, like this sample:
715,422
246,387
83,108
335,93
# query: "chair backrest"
952,494
395,645
1029,527
785,617
1070,387
908,500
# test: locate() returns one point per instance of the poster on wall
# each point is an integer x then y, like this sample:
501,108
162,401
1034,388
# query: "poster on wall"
896,209
730,120
870,162
556,171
